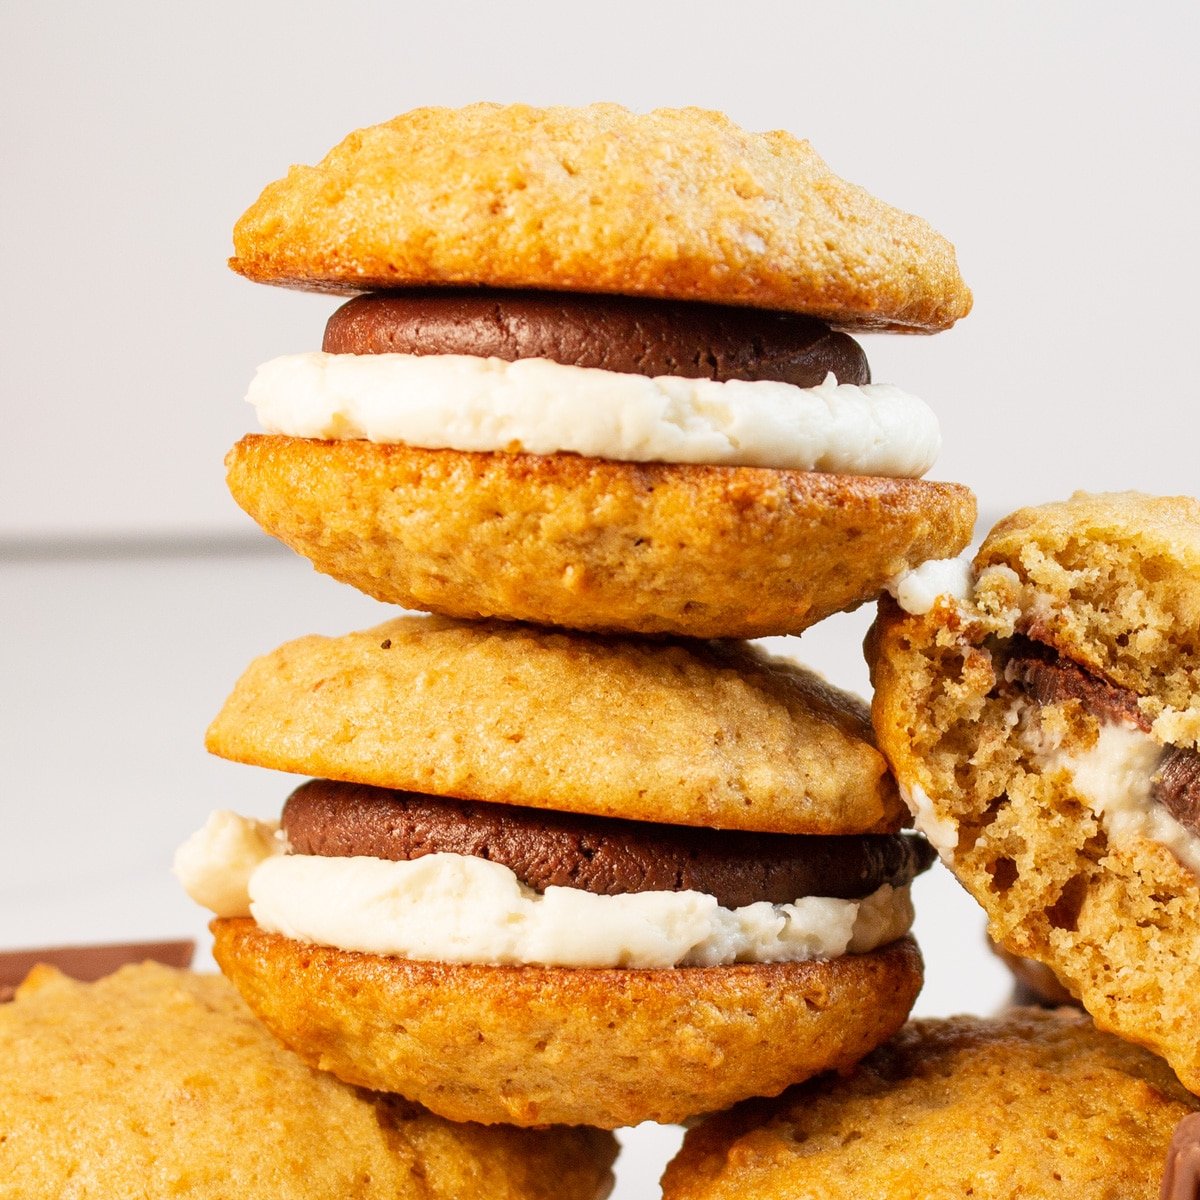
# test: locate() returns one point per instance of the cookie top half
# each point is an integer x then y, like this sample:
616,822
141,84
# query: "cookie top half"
1111,580
170,1086
690,733
677,203
1029,1104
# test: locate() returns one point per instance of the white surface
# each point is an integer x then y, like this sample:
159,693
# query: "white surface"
111,669
1056,144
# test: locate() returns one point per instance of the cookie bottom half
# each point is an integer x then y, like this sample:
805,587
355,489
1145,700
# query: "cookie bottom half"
544,1045
591,544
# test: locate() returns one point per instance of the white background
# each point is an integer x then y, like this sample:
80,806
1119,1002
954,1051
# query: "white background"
1058,144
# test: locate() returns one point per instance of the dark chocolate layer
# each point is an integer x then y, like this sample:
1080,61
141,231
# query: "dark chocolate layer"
1177,786
614,333
597,854
1049,678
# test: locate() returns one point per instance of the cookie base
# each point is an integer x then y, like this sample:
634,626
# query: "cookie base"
170,1087
591,544
545,1045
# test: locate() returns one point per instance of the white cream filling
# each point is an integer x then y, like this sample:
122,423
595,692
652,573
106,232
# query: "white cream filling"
940,832
460,909
917,591
460,402
1116,777
216,862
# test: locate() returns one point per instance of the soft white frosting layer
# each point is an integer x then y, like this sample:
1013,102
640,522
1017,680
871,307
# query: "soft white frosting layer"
917,591
459,402
455,908
1116,778
216,862
940,832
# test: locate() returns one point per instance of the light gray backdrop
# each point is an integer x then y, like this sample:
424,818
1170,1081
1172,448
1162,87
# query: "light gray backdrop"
1058,144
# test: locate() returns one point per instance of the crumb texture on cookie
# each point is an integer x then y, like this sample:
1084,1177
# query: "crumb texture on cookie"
689,733
700,551
1113,581
156,1082
1048,799
677,203
1032,1104
602,1047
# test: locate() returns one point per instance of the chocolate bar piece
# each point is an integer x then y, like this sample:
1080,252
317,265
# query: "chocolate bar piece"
88,963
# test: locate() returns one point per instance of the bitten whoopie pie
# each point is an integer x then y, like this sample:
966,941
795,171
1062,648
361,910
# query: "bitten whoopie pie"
157,1082
557,878
1042,719
1031,1104
599,374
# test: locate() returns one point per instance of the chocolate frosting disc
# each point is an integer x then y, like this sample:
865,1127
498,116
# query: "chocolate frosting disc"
614,333
597,854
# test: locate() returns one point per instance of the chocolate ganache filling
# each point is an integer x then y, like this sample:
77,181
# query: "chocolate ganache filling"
613,333
603,855
1048,677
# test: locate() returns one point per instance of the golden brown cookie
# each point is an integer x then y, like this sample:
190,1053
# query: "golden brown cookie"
1113,581
702,551
676,203
1032,1104
156,1082
530,1045
687,733
1044,730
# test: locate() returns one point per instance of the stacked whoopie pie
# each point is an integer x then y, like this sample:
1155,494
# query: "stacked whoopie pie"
550,870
